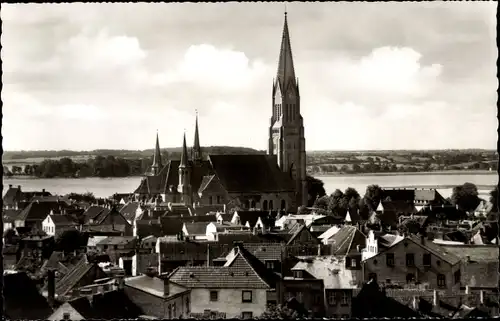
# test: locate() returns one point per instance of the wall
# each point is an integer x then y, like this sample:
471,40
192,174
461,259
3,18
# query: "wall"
275,197
398,273
65,308
229,302
155,306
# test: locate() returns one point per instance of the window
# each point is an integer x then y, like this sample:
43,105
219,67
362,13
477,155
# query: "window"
283,204
66,316
410,277
457,276
246,296
345,299
317,298
332,298
214,296
270,265
264,205
105,247
188,307
410,259
389,259
169,311
427,259
210,200
271,205
174,311
246,315
441,279
353,263
218,199
300,297
297,274
115,247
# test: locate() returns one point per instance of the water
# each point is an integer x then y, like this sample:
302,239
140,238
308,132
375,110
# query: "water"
104,187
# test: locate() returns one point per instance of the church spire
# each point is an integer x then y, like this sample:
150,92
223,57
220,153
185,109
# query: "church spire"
196,152
157,165
286,71
184,155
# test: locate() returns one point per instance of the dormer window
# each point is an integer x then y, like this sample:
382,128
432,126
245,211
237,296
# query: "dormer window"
354,263
298,274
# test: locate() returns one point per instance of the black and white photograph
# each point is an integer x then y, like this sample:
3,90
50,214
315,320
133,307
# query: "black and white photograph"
250,160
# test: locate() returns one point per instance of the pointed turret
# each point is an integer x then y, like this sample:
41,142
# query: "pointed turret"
196,152
184,155
157,164
286,71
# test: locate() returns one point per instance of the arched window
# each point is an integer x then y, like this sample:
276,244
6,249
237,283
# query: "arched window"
283,205
264,205
271,207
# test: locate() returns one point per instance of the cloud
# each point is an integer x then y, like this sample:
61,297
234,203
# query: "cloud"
410,75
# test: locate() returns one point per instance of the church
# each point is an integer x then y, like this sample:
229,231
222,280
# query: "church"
276,181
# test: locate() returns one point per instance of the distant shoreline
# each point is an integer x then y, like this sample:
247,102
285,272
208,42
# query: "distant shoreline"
450,172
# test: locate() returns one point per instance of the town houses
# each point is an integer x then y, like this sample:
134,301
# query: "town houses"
231,236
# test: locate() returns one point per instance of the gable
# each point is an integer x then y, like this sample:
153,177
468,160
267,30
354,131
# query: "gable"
303,236
66,308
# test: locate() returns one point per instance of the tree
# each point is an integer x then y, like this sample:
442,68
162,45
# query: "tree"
315,189
322,202
70,240
494,199
279,311
372,197
85,197
336,204
466,197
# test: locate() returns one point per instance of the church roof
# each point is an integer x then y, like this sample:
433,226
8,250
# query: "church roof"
250,173
157,155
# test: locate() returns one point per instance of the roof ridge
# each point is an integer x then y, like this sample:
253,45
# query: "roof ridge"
250,263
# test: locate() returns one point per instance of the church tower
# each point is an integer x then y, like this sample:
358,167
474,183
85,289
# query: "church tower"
184,175
157,164
286,133
196,154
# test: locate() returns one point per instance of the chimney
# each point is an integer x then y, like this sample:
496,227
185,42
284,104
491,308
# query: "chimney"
19,187
358,248
166,287
435,298
51,287
422,239
415,303
43,190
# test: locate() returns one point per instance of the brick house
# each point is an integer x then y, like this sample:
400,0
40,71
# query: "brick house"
158,297
241,288
415,262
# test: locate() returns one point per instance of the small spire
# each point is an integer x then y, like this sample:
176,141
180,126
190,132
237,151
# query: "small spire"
286,71
196,152
184,155
157,164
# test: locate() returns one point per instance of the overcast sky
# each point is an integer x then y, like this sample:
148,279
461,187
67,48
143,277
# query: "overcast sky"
413,75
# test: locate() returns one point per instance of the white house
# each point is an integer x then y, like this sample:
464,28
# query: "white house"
57,223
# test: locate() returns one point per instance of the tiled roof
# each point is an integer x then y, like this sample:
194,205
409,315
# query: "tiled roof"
172,225
329,233
117,240
437,250
229,238
201,210
148,227
22,300
67,283
204,182
12,196
245,261
346,240
59,219
332,270
399,194
153,285
129,209
109,305
196,228
39,210
387,240
477,253
9,215
93,212
252,217
250,173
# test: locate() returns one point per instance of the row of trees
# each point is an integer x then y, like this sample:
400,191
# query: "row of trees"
98,166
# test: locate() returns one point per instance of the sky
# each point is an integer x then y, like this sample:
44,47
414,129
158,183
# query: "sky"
373,76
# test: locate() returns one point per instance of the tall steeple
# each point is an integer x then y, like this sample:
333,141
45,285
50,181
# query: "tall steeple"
286,72
184,187
196,151
286,131
184,155
157,164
